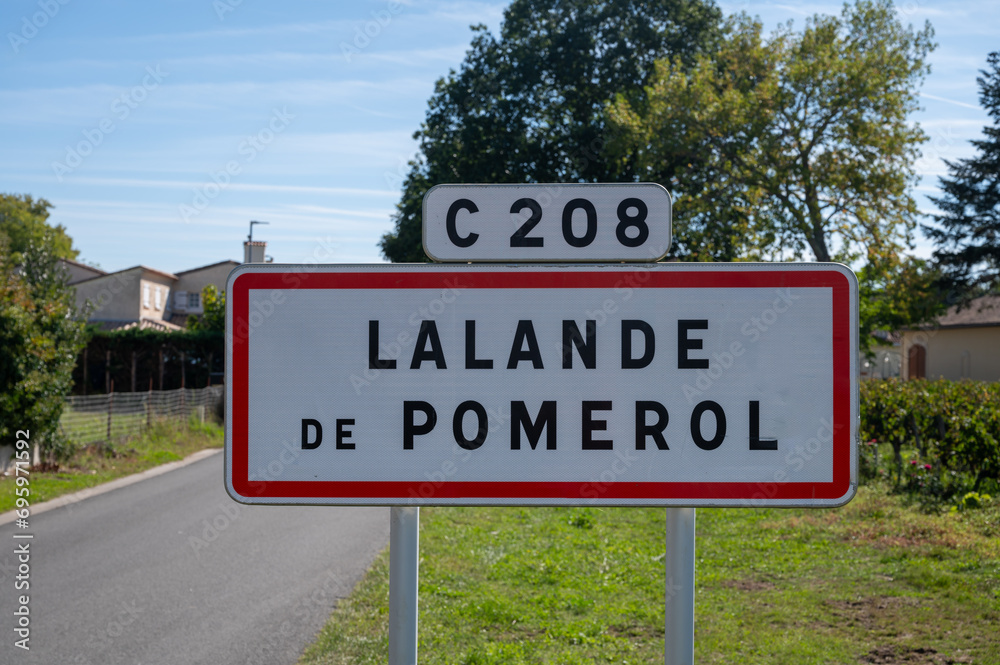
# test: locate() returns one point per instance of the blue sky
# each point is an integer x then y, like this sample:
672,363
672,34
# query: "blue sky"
159,130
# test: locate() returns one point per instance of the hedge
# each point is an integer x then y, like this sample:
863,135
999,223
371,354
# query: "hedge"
953,427
163,360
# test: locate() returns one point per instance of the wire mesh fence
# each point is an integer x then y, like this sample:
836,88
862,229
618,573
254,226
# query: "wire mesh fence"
111,417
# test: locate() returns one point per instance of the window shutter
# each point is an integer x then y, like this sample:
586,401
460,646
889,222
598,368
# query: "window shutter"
180,301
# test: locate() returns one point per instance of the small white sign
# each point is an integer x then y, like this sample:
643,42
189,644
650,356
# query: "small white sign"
547,222
666,384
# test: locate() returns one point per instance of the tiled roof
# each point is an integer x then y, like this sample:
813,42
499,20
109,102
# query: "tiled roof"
984,311
146,268
210,265
144,323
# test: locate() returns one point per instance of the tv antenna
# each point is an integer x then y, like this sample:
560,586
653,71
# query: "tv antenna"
252,222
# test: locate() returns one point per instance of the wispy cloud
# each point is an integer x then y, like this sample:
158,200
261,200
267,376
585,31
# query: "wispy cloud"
62,105
236,186
950,101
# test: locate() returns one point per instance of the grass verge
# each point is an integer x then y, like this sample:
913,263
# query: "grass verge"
165,441
874,582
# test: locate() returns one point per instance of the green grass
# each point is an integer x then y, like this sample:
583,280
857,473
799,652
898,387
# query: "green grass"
873,582
165,441
92,426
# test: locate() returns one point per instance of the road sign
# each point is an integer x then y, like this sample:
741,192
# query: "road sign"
547,222
666,384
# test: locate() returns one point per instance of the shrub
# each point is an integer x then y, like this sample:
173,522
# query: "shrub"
952,426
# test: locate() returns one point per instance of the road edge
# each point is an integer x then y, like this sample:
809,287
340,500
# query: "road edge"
76,497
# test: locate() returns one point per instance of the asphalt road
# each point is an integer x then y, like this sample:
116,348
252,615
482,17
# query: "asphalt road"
171,570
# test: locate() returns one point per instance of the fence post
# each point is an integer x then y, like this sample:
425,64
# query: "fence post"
85,363
107,371
183,387
149,405
133,371
111,402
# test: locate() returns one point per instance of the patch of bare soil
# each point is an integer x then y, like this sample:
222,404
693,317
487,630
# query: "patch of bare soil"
748,585
899,655
867,612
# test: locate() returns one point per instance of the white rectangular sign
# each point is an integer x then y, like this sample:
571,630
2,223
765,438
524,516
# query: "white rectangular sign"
666,384
547,222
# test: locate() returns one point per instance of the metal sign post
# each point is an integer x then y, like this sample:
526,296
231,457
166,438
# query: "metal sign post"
679,612
404,572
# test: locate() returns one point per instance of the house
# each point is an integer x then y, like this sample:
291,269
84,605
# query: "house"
150,298
964,343
186,292
885,361
137,296
77,272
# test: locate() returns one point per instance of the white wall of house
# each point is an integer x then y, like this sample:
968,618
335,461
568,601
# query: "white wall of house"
127,295
114,297
956,353
154,296
76,272
187,290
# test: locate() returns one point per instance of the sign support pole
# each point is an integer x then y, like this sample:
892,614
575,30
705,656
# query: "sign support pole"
404,569
679,611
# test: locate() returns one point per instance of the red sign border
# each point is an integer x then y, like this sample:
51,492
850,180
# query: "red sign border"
840,488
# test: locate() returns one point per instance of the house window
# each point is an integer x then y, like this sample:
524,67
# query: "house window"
145,295
194,300
159,301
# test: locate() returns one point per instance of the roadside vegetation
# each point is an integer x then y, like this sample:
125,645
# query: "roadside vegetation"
907,572
878,581
165,441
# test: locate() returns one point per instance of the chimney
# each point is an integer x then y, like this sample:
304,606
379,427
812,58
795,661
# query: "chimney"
253,251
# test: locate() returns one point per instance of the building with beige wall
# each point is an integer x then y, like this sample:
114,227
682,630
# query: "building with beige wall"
146,297
77,272
186,300
135,296
962,344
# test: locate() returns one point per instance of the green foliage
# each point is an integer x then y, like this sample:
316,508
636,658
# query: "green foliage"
527,106
23,222
973,501
899,292
40,337
872,582
793,144
968,231
165,441
953,427
198,350
213,318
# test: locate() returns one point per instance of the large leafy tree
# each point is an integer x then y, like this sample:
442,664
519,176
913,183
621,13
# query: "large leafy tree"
40,337
528,106
794,145
23,220
968,231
